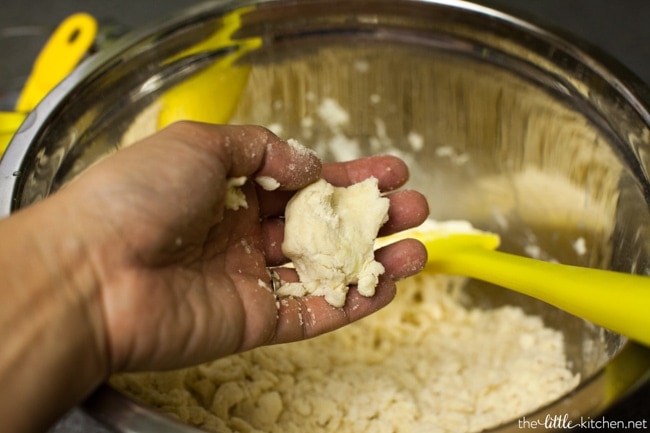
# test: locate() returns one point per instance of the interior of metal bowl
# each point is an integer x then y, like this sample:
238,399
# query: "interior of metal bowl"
501,123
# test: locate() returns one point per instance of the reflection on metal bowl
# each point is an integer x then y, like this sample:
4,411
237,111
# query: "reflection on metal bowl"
502,123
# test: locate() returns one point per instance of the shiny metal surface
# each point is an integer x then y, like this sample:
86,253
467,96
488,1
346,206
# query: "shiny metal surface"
525,134
126,416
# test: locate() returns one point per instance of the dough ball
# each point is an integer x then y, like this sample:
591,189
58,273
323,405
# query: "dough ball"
329,236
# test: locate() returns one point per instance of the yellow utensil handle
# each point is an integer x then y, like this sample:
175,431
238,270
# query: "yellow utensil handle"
9,123
61,54
5,139
614,300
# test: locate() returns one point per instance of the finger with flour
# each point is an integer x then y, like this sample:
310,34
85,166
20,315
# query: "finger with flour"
247,151
391,173
309,316
287,166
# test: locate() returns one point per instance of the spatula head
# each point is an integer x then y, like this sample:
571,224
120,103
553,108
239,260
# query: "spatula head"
442,238
212,94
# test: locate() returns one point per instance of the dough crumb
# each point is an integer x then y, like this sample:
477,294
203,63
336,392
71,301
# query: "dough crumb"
235,198
267,182
329,236
331,112
416,141
580,246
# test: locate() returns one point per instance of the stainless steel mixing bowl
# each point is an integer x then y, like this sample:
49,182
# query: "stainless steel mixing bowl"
502,122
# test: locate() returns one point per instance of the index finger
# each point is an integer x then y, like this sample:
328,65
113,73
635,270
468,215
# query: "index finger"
390,172
250,151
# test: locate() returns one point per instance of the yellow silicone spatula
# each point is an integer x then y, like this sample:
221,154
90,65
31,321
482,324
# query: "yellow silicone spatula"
614,300
62,52
211,95
10,121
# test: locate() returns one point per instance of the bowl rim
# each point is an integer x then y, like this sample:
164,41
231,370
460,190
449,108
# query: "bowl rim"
634,90
105,400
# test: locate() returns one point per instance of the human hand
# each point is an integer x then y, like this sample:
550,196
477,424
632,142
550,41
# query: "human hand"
183,280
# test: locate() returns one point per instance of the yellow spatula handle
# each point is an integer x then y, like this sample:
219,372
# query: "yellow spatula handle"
60,55
9,123
617,301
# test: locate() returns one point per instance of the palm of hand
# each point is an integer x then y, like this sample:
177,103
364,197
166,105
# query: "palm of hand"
183,280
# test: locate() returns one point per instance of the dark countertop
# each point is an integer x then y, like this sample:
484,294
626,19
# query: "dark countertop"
620,29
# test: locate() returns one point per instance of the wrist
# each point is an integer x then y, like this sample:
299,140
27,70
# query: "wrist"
50,312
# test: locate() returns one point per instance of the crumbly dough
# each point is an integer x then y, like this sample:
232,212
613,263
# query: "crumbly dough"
235,197
329,236
425,363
